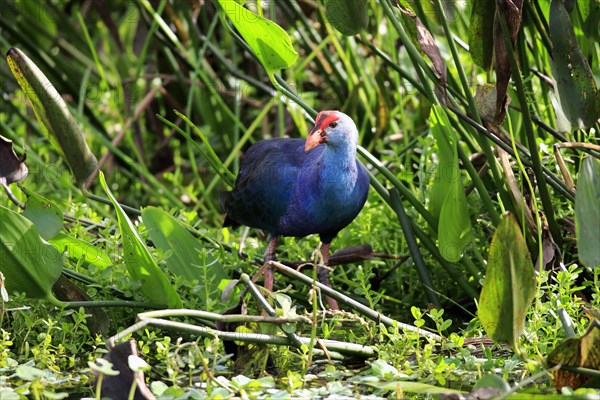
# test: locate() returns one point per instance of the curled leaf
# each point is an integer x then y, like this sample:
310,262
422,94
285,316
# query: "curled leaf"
12,168
53,115
427,45
511,11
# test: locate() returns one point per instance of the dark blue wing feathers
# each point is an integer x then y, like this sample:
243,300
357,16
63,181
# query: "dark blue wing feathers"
275,191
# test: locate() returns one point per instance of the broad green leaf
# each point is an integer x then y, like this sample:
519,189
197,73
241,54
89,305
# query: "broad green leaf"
509,285
138,260
29,263
448,201
270,43
481,33
187,257
587,213
78,249
575,83
44,214
349,17
53,115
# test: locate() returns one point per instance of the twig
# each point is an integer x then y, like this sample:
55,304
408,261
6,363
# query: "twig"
372,314
181,312
267,307
257,338
12,197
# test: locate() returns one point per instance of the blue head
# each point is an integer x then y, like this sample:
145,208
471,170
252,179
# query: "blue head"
334,129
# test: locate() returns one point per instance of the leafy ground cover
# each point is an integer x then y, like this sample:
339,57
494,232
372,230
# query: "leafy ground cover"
478,125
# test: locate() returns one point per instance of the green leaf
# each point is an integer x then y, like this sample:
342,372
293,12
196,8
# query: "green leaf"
349,17
270,43
44,214
53,115
578,94
448,201
509,285
29,373
454,230
481,33
187,259
78,249
587,213
493,381
29,263
138,260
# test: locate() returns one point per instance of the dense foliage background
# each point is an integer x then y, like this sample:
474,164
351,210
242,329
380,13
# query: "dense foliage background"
448,156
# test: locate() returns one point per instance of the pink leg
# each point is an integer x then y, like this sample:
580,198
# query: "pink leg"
323,275
269,256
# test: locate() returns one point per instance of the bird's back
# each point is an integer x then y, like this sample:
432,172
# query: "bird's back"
265,184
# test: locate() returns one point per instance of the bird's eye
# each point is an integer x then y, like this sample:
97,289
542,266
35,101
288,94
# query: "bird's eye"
333,125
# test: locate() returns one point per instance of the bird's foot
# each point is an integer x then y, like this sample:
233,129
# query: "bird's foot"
266,269
267,272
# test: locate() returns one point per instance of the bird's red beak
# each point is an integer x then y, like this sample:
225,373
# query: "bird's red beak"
318,134
315,138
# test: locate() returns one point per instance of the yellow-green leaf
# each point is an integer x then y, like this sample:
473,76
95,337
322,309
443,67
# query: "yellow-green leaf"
78,249
448,202
270,43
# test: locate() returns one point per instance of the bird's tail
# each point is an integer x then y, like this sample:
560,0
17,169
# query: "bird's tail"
223,200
